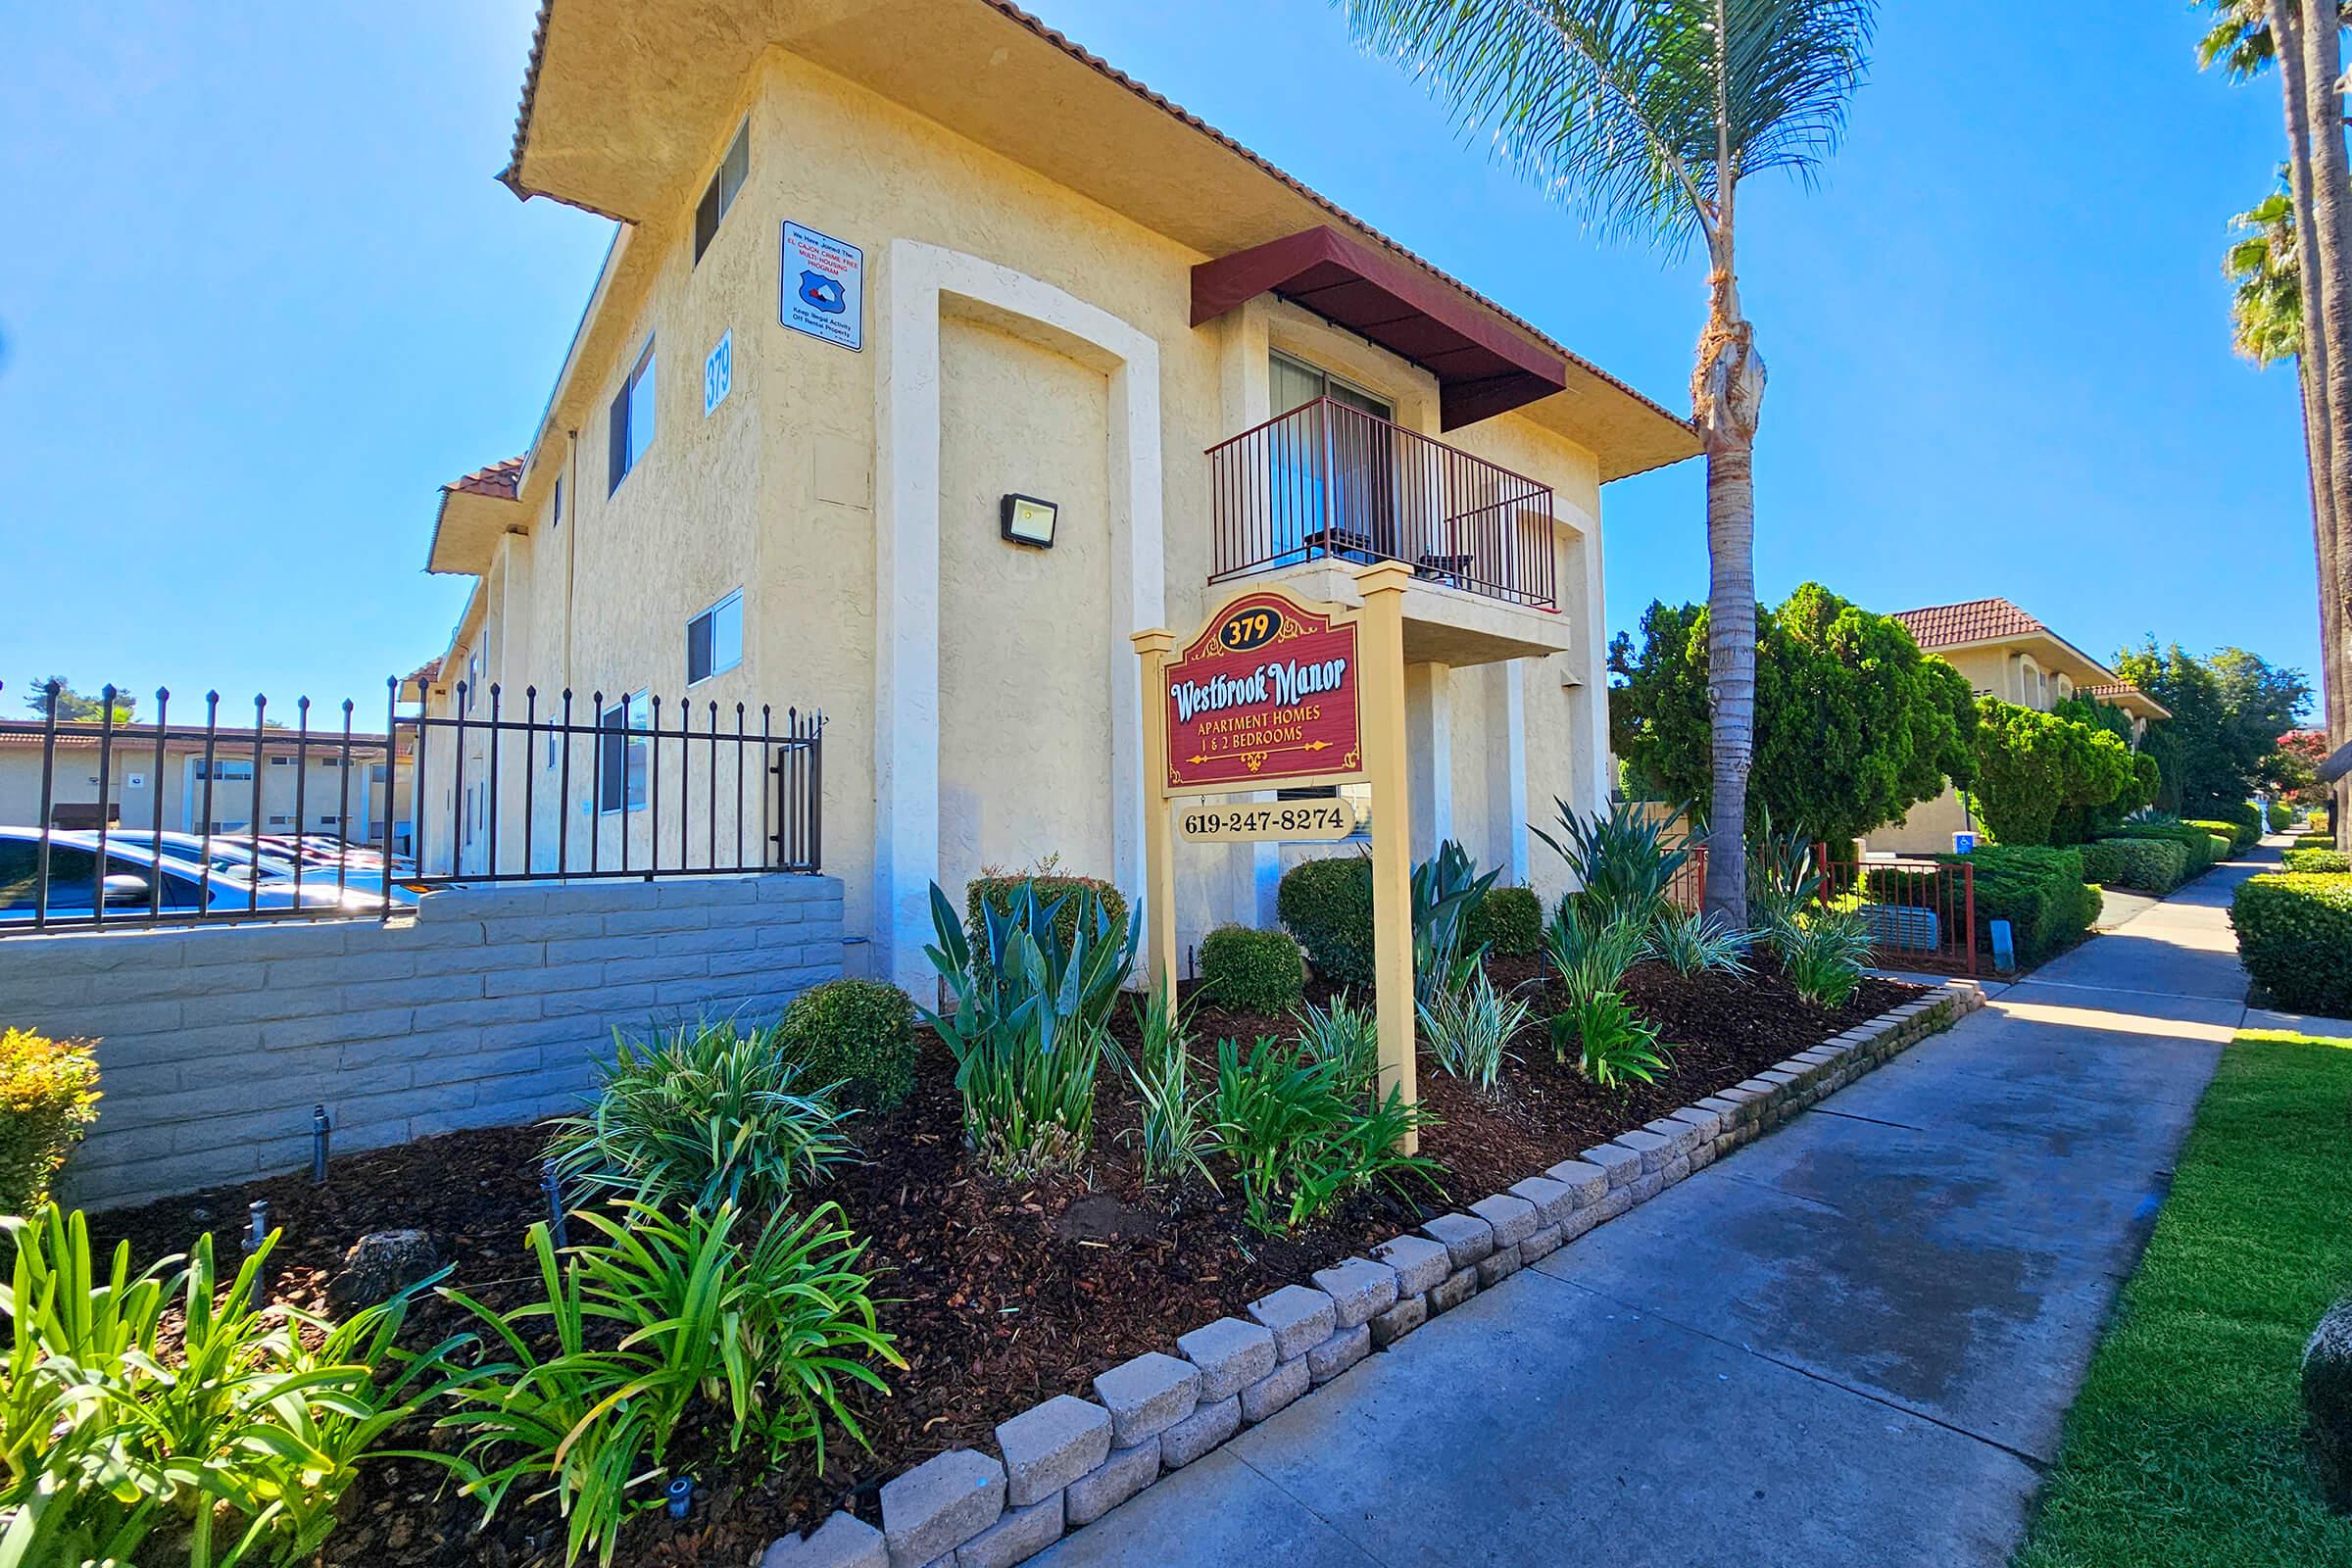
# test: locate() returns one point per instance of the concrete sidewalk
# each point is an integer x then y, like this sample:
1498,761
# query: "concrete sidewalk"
1852,1342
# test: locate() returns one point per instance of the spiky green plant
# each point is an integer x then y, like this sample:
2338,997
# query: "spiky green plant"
1300,1139
1344,1033
1823,953
1469,1030
1175,1133
1590,946
711,1113
1695,942
1609,1041
1446,888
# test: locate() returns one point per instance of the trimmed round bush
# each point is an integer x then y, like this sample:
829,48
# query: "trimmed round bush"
2319,860
2294,934
1327,904
2328,1405
2040,892
1079,895
1251,972
48,1097
2281,814
1509,921
2149,865
857,1033
2234,836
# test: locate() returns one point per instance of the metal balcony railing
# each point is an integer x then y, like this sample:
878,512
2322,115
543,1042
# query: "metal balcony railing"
1330,480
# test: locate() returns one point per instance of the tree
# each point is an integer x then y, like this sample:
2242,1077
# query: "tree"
1854,725
2247,37
2034,768
2083,821
72,708
2293,771
1648,116
2227,714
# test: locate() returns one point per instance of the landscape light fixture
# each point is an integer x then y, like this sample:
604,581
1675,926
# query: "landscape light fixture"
1027,521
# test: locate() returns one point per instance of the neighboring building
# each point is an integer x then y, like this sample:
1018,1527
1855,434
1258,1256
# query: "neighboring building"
885,268
2005,652
303,788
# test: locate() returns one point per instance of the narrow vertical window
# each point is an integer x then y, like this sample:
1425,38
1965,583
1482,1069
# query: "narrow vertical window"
632,416
720,195
714,639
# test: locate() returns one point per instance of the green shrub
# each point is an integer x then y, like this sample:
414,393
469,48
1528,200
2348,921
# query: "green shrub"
1695,942
1508,922
1624,860
48,1097
1251,972
1467,1030
1028,1022
2315,841
2245,816
1823,953
2321,823
2149,865
2233,836
2202,847
2294,933
710,1113
1301,1138
1175,1135
1444,889
2319,861
155,1403
859,1034
1000,890
1343,1032
1609,1040
2280,814
757,1336
2040,892
1327,904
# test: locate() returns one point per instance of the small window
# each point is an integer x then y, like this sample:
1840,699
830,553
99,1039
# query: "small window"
556,510
621,754
714,639
733,170
632,421
282,762
280,821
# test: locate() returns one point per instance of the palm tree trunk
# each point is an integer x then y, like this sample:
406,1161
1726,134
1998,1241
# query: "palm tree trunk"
2329,221
2286,35
1728,396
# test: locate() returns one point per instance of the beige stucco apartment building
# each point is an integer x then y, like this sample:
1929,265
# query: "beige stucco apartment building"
2007,654
886,269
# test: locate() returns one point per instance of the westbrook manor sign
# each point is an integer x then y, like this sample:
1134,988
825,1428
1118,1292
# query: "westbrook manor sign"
1266,694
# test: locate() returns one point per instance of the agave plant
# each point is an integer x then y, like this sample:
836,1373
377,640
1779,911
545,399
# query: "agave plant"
1446,888
1624,859
1028,1024
1783,878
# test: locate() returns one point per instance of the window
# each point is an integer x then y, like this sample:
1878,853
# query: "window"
280,821
282,762
225,771
1334,475
621,754
733,170
556,512
714,639
632,421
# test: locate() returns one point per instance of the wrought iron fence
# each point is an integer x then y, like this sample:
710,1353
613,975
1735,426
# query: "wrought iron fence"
1922,913
314,819
1329,480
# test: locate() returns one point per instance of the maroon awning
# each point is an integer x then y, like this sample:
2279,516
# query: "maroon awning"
1483,366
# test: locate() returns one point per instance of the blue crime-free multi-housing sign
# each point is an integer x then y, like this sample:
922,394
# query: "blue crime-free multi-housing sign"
823,287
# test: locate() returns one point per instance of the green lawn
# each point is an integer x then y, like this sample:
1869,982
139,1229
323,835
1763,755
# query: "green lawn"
2185,1445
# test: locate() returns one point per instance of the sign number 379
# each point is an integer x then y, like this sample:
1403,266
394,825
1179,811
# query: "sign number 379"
1250,628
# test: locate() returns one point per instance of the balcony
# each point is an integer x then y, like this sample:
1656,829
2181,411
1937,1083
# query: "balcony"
1328,482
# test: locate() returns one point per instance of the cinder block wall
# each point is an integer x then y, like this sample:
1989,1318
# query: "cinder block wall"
489,1006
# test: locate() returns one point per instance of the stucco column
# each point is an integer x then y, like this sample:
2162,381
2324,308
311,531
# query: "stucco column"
1514,746
1429,754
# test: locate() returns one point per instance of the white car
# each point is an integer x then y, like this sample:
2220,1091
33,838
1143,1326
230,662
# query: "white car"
135,873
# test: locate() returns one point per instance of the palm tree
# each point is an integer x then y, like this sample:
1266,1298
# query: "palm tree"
1646,115
2247,37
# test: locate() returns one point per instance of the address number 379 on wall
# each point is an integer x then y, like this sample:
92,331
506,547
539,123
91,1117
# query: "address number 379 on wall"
1265,693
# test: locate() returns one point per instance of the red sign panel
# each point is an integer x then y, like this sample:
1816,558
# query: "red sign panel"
1266,694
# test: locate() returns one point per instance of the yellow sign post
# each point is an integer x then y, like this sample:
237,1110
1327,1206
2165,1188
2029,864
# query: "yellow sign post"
1276,690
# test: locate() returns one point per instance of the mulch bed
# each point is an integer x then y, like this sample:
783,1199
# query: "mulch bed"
1001,1295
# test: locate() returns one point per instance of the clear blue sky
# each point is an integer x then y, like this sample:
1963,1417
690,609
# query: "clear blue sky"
260,295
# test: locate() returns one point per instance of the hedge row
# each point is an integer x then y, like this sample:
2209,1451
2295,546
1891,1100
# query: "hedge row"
2040,892
2204,846
2294,934
2145,864
2319,860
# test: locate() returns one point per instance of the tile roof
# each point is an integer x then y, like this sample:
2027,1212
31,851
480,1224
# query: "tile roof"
1976,621
501,480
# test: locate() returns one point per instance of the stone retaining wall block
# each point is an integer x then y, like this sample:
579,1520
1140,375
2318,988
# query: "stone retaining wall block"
1499,1266
1555,1201
1125,1472
1299,1318
1148,1394
1419,1262
1623,1165
1197,1434
1359,1289
1453,1290
1051,1446
1338,1353
841,1541
940,1505
1231,1355
1019,1536
1408,1314
1590,1183
1512,1219
1467,1237
1654,1151
1276,1388
1543,1243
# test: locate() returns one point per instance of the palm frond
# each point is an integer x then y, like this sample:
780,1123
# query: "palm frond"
1610,105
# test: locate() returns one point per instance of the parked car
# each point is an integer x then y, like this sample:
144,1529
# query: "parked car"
363,870
135,875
